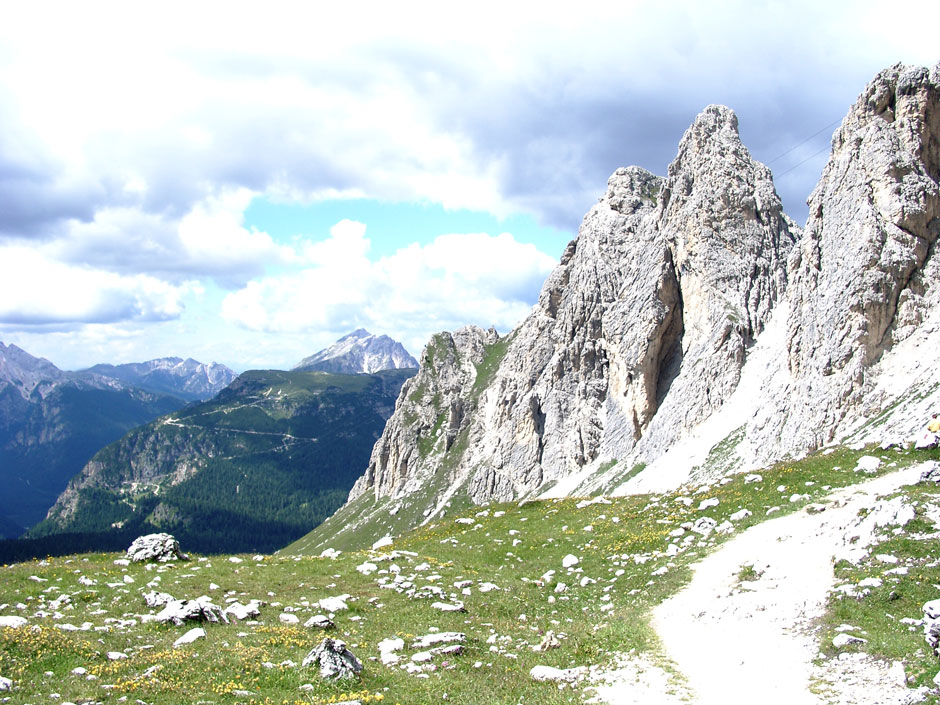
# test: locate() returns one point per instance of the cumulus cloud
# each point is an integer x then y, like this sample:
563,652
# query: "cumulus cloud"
454,280
36,291
530,113
210,241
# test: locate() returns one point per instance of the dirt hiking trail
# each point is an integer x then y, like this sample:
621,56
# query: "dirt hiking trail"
737,642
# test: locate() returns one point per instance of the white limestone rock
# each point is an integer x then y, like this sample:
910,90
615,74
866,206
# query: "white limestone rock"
189,637
334,659
202,609
155,547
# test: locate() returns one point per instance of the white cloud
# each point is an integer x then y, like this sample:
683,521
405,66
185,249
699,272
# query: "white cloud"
209,241
37,290
455,280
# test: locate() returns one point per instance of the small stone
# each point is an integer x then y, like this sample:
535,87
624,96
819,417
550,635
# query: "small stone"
550,641
842,640
189,637
319,621
570,561
334,604
382,543
334,659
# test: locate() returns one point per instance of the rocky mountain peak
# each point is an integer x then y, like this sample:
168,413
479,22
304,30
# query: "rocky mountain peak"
357,353
692,328
864,275
358,334
640,331
27,373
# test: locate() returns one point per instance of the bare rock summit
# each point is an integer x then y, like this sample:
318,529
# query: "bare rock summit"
359,352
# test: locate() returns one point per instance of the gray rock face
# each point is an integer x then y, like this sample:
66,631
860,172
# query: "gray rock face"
864,276
359,352
640,331
644,331
156,547
26,373
432,409
334,659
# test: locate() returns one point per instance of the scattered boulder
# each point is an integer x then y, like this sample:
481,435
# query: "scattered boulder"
931,472
334,604
241,612
842,640
550,641
12,621
158,599
449,607
932,625
428,640
868,464
388,649
367,568
156,547
550,673
116,656
570,561
383,542
704,526
334,659
5,684
189,637
319,621
927,441
199,610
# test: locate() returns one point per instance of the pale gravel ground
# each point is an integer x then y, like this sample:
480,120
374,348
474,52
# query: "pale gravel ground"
737,644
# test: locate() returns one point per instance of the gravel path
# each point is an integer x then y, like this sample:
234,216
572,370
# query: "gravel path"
743,642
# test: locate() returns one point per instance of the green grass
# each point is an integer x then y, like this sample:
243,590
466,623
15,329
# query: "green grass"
875,612
512,545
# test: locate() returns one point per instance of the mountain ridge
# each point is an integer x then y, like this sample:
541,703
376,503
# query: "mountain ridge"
644,331
52,421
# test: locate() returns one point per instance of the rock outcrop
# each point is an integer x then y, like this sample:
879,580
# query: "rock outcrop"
156,547
334,659
864,277
640,332
680,294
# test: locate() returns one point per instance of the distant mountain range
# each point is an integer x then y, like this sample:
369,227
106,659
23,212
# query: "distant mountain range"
187,379
52,421
268,457
359,352
252,469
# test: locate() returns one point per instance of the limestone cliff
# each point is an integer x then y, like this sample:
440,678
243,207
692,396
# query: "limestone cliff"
865,275
692,328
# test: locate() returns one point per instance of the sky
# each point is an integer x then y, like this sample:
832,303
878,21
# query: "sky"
245,183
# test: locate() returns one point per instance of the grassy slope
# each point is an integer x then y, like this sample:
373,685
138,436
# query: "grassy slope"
511,545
